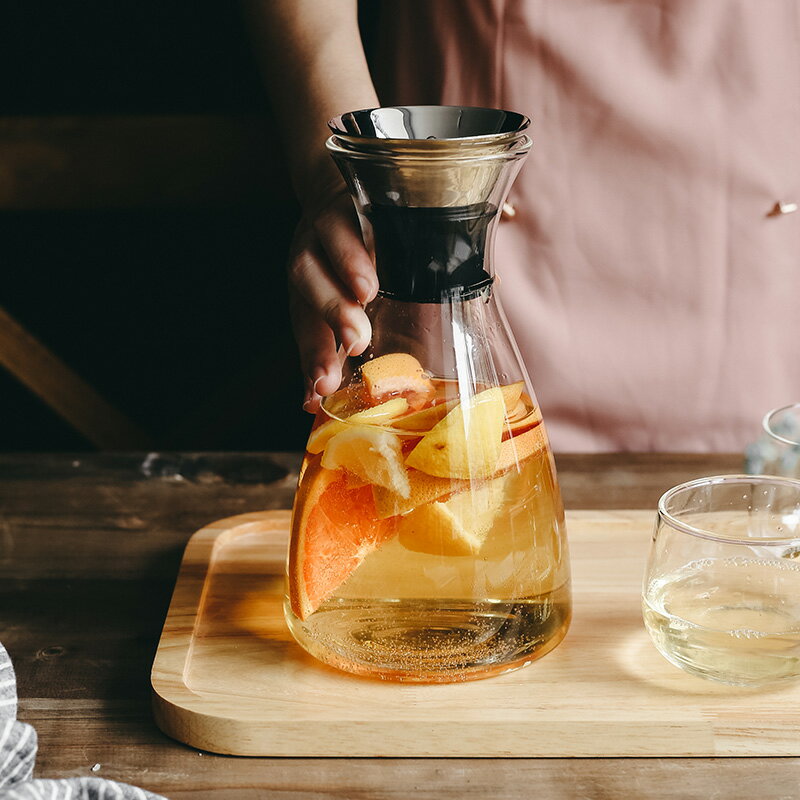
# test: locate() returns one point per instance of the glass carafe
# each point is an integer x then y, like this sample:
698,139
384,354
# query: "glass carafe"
428,540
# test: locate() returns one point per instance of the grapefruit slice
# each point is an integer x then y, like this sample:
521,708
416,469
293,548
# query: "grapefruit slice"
334,529
520,448
372,454
397,374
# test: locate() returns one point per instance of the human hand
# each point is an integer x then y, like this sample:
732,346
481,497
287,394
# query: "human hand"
331,279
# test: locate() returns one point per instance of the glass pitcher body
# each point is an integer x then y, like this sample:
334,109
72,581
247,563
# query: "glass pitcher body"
428,539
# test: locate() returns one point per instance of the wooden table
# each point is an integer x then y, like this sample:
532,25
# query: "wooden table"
89,550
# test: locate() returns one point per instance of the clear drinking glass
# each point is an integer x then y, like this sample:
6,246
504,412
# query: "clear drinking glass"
777,451
721,593
428,539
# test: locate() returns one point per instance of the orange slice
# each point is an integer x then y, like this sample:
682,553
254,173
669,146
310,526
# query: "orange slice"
372,454
333,530
397,374
376,415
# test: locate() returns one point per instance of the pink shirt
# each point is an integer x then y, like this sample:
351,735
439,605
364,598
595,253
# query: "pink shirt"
655,300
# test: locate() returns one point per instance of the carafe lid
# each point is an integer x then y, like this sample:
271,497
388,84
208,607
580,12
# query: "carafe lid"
429,123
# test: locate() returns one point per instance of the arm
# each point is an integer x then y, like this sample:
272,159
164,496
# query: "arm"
314,68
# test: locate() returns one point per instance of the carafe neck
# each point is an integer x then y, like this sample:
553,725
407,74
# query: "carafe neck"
431,255
427,183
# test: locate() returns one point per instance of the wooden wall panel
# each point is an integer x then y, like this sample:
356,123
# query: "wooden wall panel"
139,161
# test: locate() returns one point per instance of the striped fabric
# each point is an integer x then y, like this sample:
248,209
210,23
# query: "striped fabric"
18,754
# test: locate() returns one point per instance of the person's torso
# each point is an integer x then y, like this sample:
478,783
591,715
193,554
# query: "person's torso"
654,297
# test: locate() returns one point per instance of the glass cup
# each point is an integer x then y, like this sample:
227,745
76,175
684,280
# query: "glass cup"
777,451
721,592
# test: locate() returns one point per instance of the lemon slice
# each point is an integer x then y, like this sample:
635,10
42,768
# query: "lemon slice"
371,454
373,416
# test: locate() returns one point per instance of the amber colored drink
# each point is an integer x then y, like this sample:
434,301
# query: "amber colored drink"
428,562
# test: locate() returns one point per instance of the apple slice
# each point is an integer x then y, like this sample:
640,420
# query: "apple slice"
426,488
425,419
511,396
455,527
518,412
466,442
516,426
376,415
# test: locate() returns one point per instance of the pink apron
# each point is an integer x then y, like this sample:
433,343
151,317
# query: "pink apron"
655,298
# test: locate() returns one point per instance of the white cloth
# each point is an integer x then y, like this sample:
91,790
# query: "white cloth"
18,746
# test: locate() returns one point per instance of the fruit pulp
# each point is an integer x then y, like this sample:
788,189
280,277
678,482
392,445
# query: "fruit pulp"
428,577
733,620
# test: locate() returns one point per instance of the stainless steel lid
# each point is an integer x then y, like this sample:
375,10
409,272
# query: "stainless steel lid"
429,156
425,123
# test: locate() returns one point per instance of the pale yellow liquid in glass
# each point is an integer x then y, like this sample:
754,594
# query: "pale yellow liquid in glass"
406,614
734,620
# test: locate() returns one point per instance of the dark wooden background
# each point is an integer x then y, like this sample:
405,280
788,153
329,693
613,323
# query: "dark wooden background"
144,221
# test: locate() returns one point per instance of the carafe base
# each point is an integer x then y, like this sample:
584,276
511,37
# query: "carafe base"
422,641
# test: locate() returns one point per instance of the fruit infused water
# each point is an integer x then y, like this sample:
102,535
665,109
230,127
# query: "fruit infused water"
428,539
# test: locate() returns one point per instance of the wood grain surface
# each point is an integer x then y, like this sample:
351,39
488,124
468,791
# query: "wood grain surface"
89,550
229,678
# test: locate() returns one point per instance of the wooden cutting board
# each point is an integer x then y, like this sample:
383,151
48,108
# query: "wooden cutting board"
229,678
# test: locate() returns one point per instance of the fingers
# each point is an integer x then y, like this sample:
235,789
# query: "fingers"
323,312
318,357
339,234
311,275
331,277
